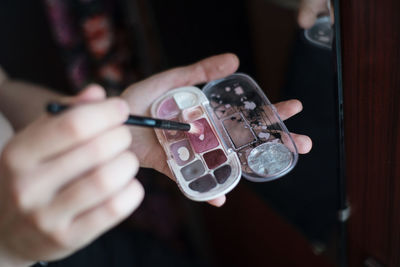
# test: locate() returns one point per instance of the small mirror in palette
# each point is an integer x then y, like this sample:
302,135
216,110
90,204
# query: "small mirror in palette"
242,134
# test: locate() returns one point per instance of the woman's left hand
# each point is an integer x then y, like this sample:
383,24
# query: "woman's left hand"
141,95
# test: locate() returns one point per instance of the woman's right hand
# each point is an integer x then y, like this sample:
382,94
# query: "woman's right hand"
66,179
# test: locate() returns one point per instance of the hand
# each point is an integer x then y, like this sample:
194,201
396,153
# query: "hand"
66,179
141,95
309,11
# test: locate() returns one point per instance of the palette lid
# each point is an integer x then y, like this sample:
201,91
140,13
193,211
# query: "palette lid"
251,127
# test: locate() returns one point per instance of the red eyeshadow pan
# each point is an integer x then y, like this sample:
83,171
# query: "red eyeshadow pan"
214,158
204,141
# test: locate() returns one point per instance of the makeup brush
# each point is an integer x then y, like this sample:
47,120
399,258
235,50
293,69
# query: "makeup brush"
193,128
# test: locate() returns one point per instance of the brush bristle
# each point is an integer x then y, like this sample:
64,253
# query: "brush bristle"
196,128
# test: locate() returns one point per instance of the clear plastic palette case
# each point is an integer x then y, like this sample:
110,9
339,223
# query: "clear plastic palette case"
242,135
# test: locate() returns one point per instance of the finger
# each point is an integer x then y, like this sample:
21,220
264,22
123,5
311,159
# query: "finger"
218,202
91,224
303,143
92,92
309,11
52,135
88,192
307,16
203,71
67,167
289,108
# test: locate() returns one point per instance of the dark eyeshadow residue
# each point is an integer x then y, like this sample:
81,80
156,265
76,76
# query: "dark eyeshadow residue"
255,117
219,95
277,135
222,174
203,184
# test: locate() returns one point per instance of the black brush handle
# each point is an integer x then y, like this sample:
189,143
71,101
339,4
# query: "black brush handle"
157,123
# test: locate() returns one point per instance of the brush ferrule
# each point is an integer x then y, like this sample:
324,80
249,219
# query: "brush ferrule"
174,125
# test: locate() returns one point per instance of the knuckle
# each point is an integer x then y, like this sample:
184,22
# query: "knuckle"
49,228
114,209
72,125
124,135
101,181
123,204
20,196
10,157
132,161
59,238
99,149
40,222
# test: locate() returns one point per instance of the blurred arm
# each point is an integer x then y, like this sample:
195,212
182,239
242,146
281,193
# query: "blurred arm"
22,102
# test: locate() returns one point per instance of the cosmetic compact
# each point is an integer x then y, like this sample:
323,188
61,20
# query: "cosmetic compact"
242,134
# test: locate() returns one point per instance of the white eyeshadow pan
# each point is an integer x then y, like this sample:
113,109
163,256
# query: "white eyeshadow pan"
185,100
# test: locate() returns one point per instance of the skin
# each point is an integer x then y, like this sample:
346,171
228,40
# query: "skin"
309,11
49,209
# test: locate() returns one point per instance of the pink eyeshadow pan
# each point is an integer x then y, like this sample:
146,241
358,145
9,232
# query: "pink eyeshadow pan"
204,141
214,158
168,108
192,114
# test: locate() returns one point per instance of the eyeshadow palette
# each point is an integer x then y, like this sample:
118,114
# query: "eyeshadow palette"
242,134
